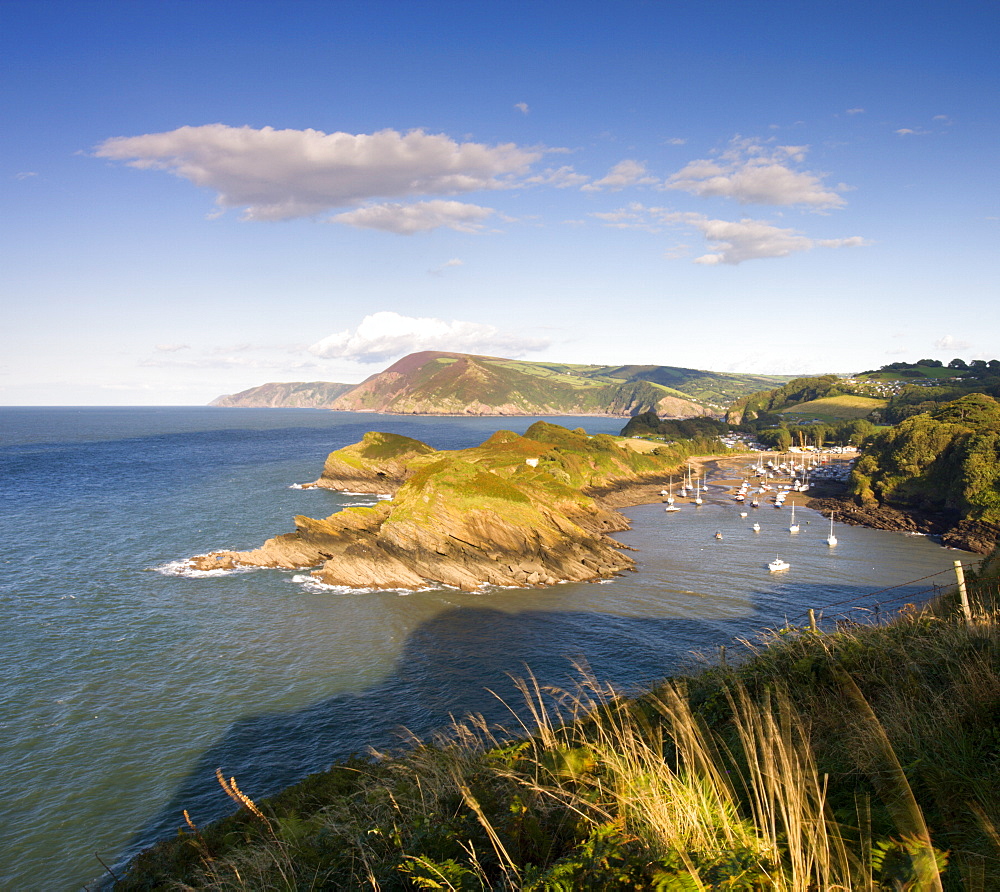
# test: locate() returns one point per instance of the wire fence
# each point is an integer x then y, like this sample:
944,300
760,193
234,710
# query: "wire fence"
880,603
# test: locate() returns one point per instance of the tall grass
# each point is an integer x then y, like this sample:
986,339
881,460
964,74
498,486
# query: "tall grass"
859,759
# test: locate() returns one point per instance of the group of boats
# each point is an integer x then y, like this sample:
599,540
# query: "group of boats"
693,483
689,482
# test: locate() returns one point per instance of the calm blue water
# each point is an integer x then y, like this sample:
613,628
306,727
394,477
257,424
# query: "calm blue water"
125,685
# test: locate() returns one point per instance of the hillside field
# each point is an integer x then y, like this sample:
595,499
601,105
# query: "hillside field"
834,408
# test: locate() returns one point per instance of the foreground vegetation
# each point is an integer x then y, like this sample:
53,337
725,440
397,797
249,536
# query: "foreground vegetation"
860,757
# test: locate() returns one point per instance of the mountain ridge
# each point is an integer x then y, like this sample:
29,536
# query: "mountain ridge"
435,382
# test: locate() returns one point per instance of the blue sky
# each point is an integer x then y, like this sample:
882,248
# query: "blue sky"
202,196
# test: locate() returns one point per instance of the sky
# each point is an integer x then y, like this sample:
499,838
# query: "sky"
201,197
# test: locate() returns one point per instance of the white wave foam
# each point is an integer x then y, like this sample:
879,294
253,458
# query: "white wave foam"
183,568
312,584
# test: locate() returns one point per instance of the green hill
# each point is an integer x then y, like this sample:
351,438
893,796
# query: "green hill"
833,408
435,383
947,461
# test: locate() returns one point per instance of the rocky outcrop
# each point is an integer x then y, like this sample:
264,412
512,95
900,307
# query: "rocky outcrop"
510,512
380,463
972,535
954,532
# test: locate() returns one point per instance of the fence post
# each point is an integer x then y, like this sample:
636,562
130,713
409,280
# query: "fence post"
812,622
963,595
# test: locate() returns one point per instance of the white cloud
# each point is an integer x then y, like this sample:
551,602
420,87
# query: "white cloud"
284,174
855,111
675,141
171,348
949,342
448,264
522,107
751,173
732,242
624,173
907,131
560,177
422,216
25,175
385,335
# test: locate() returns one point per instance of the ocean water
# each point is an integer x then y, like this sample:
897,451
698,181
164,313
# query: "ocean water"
126,683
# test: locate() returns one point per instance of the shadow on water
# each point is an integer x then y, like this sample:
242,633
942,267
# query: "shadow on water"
447,666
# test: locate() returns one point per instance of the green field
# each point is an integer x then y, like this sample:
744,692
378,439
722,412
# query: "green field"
927,371
834,408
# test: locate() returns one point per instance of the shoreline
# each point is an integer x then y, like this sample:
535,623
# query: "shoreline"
827,498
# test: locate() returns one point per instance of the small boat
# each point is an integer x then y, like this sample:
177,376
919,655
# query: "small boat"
756,527
793,527
698,500
778,564
831,540
743,514
718,534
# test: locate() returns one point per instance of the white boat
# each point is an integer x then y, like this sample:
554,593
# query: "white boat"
831,540
778,564
718,534
756,527
698,500
793,527
670,498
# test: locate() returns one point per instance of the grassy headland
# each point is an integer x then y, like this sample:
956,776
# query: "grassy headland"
860,757
515,510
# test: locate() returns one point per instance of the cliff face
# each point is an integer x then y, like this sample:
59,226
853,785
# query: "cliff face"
510,512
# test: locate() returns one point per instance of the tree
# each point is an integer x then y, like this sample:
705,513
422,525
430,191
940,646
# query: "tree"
957,364
860,431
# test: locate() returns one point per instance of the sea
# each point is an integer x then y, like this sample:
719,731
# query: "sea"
126,680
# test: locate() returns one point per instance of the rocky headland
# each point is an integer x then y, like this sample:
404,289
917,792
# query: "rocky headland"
514,511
